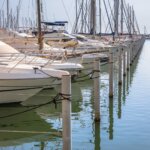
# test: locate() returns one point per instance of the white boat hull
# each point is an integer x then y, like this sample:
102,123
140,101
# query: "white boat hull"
19,90
20,84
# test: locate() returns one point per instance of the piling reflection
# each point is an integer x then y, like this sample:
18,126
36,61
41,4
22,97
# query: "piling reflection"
128,79
42,146
119,101
97,141
111,119
124,89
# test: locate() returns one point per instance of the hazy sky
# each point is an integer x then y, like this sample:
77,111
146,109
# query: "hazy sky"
65,10
142,10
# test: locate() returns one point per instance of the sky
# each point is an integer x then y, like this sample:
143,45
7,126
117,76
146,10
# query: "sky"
142,10
65,10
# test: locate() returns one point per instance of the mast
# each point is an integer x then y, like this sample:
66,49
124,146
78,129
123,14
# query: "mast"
82,16
42,11
93,17
0,20
133,21
76,16
7,13
100,17
39,25
130,20
116,15
18,15
3,19
86,15
121,27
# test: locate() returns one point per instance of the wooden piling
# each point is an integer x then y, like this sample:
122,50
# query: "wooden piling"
96,76
66,112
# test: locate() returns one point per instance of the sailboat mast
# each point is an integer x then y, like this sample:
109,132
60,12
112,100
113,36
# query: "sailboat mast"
76,5
82,16
93,17
100,17
116,16
133,21
0,20
121,7
130,20
39,25
7,13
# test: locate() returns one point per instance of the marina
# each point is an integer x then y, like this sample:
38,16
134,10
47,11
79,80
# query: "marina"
122,119
84,89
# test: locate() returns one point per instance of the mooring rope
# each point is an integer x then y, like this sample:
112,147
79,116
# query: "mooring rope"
89,74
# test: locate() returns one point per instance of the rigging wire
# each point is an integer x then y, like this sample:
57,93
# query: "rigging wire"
109,21
3,4
67,13
104,22
45,8
28,9
111,10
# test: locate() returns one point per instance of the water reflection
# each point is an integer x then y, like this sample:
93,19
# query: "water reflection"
133,67
97,142
128,79
119,101
23,129
111,119
124,89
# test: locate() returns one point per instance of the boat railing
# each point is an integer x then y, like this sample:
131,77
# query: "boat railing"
44,59
16,64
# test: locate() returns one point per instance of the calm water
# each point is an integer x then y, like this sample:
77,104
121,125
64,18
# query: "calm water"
125,120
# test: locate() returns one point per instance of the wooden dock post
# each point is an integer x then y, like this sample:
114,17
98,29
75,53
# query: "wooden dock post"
110,73
66,112
120,66
96,77
124,62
